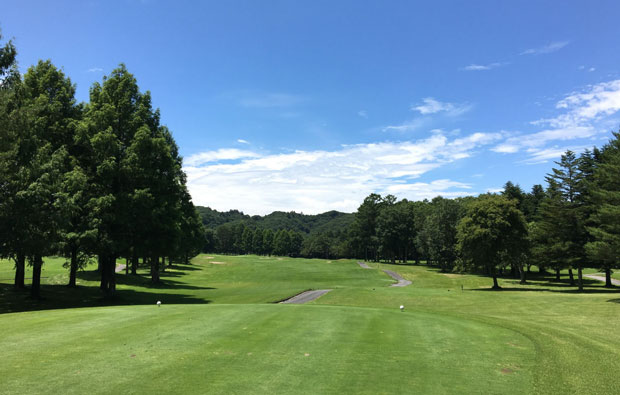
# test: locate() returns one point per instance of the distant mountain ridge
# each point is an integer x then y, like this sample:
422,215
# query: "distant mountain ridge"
304,223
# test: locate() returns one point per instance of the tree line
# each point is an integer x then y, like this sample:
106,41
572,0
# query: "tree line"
573,223
570,224
99,179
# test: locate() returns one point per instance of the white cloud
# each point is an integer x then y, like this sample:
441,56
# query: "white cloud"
408,126
95,70
318,181
432,106
362,113
585,115
544,155
552,47
242,141
482,67
592,104
591,69
220,154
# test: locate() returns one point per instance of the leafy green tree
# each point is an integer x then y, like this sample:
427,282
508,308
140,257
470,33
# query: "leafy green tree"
131,167
565,213
45,112
257,241
281,243
297,241
12,122
395,228
365,225
439,231
605,217
512,191
532,202
267,242
247,240
492,234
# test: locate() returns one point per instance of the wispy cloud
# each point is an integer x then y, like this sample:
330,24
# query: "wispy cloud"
362,113
483,67
95,70
409,126
582,108
242,141
317,181
219,155
271,100
432,106
552,47
584,115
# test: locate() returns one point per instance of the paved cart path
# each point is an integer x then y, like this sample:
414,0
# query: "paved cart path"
362,264
602,278
401,281
119,268
307,296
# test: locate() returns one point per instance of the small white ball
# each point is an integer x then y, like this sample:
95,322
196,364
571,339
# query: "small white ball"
402,308
158,303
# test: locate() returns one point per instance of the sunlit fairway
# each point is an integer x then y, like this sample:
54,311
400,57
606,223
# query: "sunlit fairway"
218,331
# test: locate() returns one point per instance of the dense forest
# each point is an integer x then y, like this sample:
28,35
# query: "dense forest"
81,180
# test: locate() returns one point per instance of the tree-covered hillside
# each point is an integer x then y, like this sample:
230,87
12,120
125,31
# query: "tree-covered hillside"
334,221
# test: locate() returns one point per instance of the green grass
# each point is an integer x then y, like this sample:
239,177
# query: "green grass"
218,332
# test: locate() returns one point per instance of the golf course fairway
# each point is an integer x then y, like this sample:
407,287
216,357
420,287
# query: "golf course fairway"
220,330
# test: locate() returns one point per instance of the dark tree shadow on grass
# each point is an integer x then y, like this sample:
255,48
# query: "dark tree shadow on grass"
131,290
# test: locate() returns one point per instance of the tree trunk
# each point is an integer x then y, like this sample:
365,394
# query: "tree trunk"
126,265
163,263
522,275
570,275
608,283
155,269
35,289
134,264
495,284
557,274
108,278
103,270
580,278
20,271
99,263
73,268
528,268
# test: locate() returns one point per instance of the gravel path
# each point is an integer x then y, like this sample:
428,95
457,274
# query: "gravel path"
119,268
602,278
401,281
362,264
307,296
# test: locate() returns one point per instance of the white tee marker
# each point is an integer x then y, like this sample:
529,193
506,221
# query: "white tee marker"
402,308
158,303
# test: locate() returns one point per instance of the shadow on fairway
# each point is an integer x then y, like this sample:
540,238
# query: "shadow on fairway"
617,300
131,290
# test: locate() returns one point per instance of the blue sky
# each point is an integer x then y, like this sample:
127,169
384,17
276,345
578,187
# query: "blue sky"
312,105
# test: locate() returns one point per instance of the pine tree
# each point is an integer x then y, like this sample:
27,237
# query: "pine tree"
605,217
